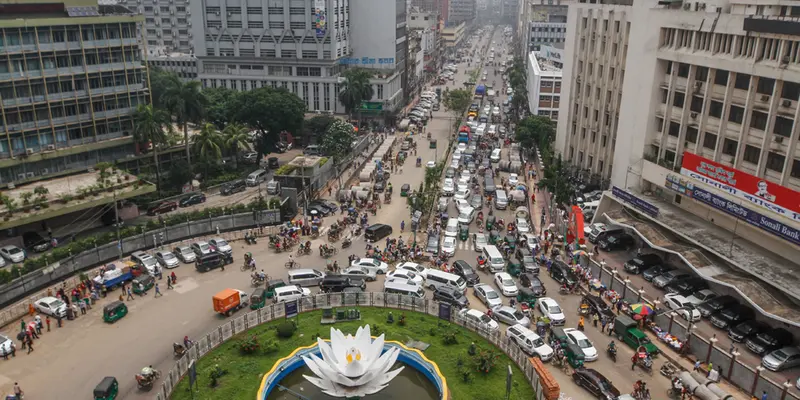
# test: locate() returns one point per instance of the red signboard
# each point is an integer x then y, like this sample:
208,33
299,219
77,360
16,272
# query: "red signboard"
576,226
757,190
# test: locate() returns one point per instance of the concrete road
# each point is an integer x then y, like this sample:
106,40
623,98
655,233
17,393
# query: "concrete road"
70,361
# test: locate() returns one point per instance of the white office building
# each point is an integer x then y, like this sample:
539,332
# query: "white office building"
167,24
544,82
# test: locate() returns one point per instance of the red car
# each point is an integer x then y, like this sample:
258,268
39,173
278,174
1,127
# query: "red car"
163,207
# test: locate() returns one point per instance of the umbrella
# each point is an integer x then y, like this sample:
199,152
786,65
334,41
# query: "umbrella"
641,309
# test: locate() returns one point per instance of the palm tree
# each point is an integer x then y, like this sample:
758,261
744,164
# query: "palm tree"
150,125
186,103
208,143
355,90
235,137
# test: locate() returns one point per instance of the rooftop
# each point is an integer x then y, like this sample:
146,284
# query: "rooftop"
305,161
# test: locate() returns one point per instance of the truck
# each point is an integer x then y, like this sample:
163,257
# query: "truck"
113,275
490,95
626,330
229,300
480,90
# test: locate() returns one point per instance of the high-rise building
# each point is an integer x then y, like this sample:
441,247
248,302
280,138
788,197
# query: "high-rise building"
167,24
461,11
547,26
544,82
71,75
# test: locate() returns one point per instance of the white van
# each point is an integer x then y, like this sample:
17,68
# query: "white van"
495,157
590,206
256,177
452,227
494,258
500,199
492,130
403,288
481,130
290,293
273,187
529,342
437,279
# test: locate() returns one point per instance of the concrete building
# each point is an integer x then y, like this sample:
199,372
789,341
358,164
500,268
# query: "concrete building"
453,35
544,82
461,11
547,25
167,24
66,112
425,26
182,64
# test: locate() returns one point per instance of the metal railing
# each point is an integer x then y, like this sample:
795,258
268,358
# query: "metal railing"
276,311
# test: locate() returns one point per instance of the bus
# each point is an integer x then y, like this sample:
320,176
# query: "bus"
464,134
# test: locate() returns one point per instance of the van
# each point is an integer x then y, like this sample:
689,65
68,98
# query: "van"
597,236
403,288
305,277
233,187
212,260
437,279
273,187
495,157
377,232
312,150
494,258
529,342
488,186
256,177
290,293
590,206
500,200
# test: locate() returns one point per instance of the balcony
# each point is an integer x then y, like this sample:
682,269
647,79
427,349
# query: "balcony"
772,24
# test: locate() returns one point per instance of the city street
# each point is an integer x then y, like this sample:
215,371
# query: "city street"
70,361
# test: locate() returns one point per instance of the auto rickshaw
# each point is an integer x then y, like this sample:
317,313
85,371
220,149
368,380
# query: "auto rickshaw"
525,295
142,283
405,189
147,377
490,220
107,389
114,311
494,237
463,232
558,338
511,241
419,161
258,299
433,141
272,285
574,355
513,267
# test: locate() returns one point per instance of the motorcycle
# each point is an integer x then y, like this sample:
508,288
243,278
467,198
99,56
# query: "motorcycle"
646,364
612,353
257,281
346,243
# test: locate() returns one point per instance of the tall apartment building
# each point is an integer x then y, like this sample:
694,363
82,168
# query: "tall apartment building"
461,11
167,24
720,79
70,76
544,82
547,26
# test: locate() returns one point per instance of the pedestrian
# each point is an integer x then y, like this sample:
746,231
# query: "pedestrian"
330,191
30,344
764,395
58,320
169,283
130,294
83,307
22,324
4,354
18,390
633,362
619,306
158,291
174,277
74,310
595,320
47,321
222,268
603,323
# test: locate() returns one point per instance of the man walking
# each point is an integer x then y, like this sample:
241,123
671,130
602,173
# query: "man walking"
17,391
130,294
158,291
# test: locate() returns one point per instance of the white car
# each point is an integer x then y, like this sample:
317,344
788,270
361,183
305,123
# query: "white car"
487,295
683,306
290,293
185,254
510,315
13,253
523,226
430,164
466,175
479,241
496,111
463,193
220,245
361,272
448,188
407,275
479,319
550,309
701,296
453,164
51,306
588,228
462,204
531,241
201,248
413,267
167,259
513,179
466,215
372,264
506,284
461,147
7,345
577,337
451,230
509,91
448,246
487,109
457,155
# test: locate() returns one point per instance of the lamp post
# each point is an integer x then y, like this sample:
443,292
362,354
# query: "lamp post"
613,278
625,288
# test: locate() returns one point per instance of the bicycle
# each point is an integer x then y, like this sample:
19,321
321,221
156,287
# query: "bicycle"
292,264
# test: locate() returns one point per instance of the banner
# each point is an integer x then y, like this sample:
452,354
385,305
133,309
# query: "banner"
774,197
751,217
320,18
638,203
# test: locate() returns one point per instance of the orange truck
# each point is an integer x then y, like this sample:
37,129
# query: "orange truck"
550,387
229,300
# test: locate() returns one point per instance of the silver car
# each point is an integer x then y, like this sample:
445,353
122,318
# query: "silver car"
510,316
13,254
487,295
783,358
167,259
361,272
185,254
220,245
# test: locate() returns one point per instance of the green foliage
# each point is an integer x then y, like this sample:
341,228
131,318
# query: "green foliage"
285,169
318,124
473,349
186,102
271,346
556,181
450,337
218,110
355,89
269,111
180,173
26,198
208,144
485,359
338,140
536,131
248,345
286,329
456,101
41,191
214,375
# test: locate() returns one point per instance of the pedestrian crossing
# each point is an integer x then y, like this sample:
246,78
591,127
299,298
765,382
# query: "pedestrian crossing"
466,245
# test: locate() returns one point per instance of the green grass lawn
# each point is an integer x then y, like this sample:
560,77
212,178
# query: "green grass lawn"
244,372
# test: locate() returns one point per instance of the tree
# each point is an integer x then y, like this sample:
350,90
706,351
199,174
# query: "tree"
208,144
338,139
179,174
235,137
186,103
456,101
536,131
317,126
269,111
556,180
149,125
218,110
158,83
355,90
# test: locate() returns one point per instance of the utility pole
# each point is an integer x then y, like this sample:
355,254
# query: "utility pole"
116,224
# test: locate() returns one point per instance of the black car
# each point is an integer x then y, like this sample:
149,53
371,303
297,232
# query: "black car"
212,260
34,242
191,200
324,207
379,186
598,305
338,283
433,244
617,242
652,273
595,383
732,316
716,304
233,187
770,340
329,204
317,208
685,287
273,163
747,329
642,263
562,274
533,283
464,270
454,297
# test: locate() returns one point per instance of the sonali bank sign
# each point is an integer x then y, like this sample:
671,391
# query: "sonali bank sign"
758,191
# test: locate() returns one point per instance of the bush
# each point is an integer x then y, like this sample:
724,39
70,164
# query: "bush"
450,337
270,346
248,345
286,329
376,330
214,375
485,360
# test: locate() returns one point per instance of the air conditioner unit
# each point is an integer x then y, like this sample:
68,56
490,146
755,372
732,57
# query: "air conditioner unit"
778,139
764,97
44,171
158,22
51,147
158,34
21,177
28,151
155,11
785,60
694,115
189,24
786,103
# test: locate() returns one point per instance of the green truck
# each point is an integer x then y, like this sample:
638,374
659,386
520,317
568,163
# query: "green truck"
626,330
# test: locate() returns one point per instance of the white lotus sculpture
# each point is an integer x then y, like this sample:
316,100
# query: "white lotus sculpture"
352,366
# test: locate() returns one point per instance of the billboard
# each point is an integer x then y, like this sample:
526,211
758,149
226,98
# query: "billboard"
320,18
638,203
774,197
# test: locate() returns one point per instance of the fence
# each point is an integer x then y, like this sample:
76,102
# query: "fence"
66,270
747,378
373,299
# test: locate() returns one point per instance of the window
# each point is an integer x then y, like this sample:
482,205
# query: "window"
715,109
721,77
758,120
736,114
742,81
775,161
678,99
683,70
729,147
783,127
664,96
674,129
297,25
710,141
164,9
765,85
380,92
790,90
751,154
274,24
795,173
701,74
660,124
697,104
691,134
